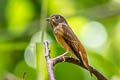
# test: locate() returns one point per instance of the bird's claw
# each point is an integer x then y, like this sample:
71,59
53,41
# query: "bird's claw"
62,56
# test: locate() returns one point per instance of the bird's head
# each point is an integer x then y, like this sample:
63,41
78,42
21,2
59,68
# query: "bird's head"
56,19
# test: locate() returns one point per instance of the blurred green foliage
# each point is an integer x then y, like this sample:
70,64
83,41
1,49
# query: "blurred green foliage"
23,29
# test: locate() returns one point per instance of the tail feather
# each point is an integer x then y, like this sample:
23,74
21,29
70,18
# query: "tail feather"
90,70
84,60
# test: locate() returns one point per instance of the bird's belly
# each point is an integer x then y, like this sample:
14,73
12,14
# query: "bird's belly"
62,42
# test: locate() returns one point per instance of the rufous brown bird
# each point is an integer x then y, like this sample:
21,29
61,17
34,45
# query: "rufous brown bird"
66,37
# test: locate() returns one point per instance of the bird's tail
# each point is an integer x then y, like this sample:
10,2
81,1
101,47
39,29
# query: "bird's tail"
83,58
90,70
86,65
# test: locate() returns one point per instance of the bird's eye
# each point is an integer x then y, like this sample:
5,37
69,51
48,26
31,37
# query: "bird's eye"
57,17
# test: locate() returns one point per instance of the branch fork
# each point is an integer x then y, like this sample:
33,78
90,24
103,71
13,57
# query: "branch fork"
52,62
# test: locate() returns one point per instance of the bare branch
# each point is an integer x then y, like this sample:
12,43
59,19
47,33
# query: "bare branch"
75,61
49,62
52,62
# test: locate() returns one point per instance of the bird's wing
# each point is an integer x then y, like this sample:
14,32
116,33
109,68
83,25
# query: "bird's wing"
75,45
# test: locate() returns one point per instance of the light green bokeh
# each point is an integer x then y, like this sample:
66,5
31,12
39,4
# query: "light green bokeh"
19,13
77,23
65,8
22,67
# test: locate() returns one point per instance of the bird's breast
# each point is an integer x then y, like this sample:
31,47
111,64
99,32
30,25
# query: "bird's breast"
59,33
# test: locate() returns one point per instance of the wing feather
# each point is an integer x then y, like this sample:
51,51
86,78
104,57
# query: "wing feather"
75,45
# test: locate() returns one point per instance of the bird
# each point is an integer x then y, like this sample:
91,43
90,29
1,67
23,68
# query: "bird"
67,39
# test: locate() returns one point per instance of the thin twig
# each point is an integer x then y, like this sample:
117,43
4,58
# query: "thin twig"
52,62
24,76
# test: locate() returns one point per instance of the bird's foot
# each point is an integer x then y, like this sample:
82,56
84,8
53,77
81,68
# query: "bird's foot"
63,56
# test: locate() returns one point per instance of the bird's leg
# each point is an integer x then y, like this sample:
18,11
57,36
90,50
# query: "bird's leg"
63,55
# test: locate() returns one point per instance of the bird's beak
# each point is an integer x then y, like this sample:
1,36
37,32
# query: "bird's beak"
48,19
51,19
